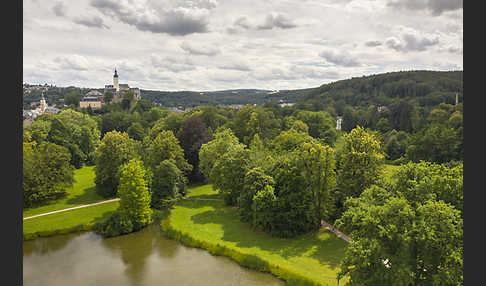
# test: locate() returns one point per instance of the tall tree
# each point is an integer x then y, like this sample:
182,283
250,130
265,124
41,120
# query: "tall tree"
360,162
46,172
223,142
116,148
192,135
134,194
76,131
399,242
163,147
318,166
168,184
321,125
255,181
228,173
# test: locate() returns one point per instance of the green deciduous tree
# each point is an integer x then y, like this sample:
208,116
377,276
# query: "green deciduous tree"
399,242
293,212
74,130
228,173
46,172
168,184
318,167
134,194
192,135
360,162
435,143
116,148
255,181
263,208
251,120
420,182
72,98
288,140
321,125
223,142
136,131
163,147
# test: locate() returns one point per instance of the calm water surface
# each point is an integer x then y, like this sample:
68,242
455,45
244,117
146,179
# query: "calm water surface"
143,258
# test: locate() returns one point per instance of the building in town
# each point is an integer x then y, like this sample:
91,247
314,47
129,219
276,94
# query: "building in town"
118,89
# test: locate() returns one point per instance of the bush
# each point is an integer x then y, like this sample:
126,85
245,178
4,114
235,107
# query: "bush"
116,224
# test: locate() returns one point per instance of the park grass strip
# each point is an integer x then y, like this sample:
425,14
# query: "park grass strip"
73,221
308,272
73,208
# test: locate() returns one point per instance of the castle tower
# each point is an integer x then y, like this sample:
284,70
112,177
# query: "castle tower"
43,103
115,82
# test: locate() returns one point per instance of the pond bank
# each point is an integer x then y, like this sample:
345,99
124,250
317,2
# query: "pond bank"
311,259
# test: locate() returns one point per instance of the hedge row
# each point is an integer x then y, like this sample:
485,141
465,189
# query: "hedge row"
46,233
248,260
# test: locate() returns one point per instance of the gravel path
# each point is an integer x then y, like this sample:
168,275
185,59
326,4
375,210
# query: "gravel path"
336,231
73,208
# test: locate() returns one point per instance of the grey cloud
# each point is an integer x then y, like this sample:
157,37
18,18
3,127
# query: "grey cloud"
236,66
177,21
172,64
73,62
411,40
276,21
373,43
436,7
59,9
339,58
94,22
199,50
242,22
314,72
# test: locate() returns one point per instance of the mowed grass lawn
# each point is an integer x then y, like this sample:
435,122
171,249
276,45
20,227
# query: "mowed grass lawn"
69,220
314,255
82,193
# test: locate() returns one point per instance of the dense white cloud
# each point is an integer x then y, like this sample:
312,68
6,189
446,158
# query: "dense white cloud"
215,45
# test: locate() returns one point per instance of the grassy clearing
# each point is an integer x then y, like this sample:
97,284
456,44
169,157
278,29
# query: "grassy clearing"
69,221
310,259
83,192
203,192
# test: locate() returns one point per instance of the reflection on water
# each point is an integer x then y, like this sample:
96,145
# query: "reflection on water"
141,258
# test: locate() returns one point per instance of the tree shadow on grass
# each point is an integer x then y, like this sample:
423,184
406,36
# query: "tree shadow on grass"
327,249
205,196
88,196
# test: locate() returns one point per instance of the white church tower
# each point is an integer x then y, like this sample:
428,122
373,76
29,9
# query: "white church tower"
115,81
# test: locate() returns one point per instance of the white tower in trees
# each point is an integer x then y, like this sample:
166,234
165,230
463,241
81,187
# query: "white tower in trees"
115,81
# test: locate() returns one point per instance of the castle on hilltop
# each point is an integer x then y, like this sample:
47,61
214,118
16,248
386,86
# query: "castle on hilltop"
118,90
95,99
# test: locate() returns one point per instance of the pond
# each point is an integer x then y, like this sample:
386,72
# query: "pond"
143,258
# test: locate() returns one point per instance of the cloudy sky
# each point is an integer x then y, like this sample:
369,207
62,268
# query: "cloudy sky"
228,44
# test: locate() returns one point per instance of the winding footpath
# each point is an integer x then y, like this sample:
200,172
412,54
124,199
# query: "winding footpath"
73,208
336,231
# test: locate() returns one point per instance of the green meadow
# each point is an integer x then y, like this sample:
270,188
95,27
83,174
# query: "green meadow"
82,193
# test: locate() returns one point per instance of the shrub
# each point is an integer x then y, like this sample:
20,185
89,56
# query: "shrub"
116,224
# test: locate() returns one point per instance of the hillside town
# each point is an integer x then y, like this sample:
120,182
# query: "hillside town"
93,99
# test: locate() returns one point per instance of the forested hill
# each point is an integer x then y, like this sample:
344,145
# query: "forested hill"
423,88
224,97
